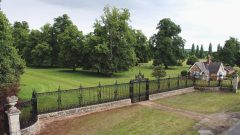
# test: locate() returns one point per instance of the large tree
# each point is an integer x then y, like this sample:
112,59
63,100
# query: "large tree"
41,54
111,43
11,64
34,40
59,26
71,47
20,35
229,53
141,47
169,46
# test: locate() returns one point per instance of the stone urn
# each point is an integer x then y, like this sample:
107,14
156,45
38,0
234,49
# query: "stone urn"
12,101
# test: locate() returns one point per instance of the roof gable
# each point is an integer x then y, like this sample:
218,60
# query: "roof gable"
211,68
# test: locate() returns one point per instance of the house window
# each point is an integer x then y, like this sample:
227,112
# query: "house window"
196,74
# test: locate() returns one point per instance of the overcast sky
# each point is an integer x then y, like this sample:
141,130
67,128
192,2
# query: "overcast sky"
202,21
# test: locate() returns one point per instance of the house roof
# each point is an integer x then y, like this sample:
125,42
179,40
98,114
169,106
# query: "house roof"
202,67
213,67
229,68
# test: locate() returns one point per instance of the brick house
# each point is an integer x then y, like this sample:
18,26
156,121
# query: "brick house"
207,70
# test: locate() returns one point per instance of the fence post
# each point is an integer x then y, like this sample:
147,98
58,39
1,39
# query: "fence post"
116,90
131,90
147,89
59,100
158,85
34,104
169,83
178,82
209,83
99,92
186,82
13,116
80,98
219,82
194,81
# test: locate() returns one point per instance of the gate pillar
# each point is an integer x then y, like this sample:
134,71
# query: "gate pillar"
13,116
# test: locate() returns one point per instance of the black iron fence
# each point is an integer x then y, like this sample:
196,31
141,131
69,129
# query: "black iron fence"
67,99
28,110
136,90
213,83
168,84
80,97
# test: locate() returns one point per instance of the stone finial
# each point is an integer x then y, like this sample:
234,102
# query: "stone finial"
12,101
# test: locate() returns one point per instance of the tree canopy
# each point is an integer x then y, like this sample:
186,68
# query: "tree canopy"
159,72
111,43
229,54
191,60
168,45
11,64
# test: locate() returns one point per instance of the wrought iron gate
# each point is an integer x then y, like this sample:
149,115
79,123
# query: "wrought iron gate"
139,89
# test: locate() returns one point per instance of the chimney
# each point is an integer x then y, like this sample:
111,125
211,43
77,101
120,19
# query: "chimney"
209,59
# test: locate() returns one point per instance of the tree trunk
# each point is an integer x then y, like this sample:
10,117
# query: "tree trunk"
74,69
166,66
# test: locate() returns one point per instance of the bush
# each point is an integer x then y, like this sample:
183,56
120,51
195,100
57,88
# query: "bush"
11,65
159,72
184,73
192,59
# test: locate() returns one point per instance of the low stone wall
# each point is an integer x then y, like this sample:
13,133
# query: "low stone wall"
171,93
88,109
79,111
214,89
30,130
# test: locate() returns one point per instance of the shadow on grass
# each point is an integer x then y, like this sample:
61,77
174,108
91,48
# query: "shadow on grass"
89,73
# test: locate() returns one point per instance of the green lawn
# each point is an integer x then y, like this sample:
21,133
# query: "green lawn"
131,120
49,79
204,102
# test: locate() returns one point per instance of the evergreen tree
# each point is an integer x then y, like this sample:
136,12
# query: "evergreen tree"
201,53
210,49
197,52
159,72
193,50
219,48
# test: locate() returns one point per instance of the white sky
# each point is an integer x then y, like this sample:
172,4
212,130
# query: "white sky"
202,21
